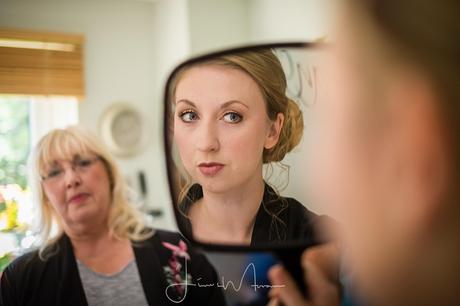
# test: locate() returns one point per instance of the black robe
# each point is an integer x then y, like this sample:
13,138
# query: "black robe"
28,280
278,220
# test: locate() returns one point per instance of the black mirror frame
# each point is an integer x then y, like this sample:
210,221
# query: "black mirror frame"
168,145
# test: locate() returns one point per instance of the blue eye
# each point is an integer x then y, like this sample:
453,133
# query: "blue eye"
188,116
232,117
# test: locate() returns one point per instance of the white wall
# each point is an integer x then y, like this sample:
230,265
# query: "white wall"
172,45
217,24
122,51
290,20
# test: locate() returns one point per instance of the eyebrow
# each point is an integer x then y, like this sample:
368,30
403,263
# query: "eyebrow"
224,105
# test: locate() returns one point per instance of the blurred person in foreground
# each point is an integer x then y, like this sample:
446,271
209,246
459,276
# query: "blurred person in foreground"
389,157
96,248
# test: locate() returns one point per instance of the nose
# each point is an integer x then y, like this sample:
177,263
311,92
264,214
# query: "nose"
71,177
208,140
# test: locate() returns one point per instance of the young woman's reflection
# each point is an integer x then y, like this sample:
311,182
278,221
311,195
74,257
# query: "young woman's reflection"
232,116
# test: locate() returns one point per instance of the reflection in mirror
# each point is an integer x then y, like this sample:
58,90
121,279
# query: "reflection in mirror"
233,119
245,281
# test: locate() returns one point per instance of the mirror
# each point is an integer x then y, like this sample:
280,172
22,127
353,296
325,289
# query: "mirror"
235,143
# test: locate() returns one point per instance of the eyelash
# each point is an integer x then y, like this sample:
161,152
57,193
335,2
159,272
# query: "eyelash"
188,111
191,111
235,113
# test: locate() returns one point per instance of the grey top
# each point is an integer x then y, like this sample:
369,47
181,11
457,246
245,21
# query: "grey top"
118,289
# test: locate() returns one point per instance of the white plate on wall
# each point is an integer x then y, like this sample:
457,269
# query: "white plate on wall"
123,129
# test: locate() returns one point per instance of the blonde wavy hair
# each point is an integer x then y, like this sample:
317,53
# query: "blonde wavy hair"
124,220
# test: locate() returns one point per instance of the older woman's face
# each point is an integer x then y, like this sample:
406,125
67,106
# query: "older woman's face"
221,126
79,191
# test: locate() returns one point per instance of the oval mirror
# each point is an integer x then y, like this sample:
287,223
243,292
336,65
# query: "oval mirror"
235,138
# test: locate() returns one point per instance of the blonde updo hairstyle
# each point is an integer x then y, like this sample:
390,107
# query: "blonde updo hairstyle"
124,220
265,69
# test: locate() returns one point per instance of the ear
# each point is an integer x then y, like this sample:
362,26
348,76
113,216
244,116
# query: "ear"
421,147
274,131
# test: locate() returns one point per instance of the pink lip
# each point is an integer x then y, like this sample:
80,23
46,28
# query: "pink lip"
210,169
78,198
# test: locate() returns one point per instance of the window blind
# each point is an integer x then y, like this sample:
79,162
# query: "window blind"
41,63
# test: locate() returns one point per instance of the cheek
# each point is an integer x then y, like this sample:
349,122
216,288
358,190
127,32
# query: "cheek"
349,183
99,183
102,181
346,167
332,163
244,144
184,142
56,198
337,164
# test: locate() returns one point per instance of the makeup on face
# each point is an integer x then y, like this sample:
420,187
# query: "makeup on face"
210,168
220,126
229,112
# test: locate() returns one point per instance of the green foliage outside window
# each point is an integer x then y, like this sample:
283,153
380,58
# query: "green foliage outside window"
14,150
14,140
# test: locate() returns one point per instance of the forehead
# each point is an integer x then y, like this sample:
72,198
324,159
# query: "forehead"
60,147
212,85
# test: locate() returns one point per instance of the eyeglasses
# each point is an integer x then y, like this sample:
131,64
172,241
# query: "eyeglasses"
79,165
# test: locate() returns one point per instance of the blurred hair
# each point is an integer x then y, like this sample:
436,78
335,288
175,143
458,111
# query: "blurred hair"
124,220
423,33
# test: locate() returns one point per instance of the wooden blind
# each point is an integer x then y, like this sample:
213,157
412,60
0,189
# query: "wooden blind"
41,63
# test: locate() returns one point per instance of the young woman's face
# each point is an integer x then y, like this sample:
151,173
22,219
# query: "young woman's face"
221,126
78,190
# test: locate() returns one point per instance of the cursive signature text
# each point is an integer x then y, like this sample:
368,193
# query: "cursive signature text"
225,285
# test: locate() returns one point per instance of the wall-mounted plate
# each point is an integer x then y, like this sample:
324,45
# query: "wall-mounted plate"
123,129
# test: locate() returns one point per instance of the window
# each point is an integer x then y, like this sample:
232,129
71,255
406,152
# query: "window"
14,194
41,63
41,78
23,121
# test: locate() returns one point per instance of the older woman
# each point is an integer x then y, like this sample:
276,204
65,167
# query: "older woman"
96,248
